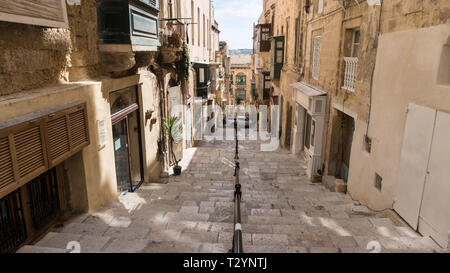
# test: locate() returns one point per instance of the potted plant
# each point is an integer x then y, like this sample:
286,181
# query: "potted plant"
173,128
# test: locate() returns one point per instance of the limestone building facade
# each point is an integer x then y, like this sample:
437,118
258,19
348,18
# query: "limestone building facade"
82,101
349,100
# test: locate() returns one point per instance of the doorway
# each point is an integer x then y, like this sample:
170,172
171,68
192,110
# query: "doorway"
299,131
287,139
422,190
341,144
127,139
280,121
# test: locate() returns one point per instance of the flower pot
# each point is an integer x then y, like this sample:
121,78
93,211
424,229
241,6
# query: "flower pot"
177,170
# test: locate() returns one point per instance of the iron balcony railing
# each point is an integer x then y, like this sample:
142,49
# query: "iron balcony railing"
351,67
237,236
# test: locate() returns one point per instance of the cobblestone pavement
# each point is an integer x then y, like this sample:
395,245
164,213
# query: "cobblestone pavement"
282,212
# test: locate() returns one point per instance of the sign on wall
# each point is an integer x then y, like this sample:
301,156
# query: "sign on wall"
101,134
49,13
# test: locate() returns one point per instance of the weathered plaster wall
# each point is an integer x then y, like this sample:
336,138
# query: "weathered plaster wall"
99,165
410,77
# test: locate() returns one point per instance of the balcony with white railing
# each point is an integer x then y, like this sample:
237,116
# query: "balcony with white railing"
351,67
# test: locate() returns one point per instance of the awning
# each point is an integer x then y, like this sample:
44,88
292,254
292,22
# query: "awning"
200,64
308,90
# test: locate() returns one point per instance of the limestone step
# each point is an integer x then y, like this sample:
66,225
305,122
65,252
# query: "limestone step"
41,249
87,243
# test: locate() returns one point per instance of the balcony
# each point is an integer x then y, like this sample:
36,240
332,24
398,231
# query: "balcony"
172,40
128,25
263,35
351,68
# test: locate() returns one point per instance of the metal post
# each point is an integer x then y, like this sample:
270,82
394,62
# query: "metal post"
237,237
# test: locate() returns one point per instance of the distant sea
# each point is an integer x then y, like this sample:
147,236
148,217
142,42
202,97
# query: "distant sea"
240,51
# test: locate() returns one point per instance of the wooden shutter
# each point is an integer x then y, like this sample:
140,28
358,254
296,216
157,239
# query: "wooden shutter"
78,128
49,13
6,166
277,56
58,139
29,152
67,133
33,143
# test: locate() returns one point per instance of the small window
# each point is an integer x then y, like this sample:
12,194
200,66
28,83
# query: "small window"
297,27
355,42
313,132
378,182
241,80
320,6
279,56
201,72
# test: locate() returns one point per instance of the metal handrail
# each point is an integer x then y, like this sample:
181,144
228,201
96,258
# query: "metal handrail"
237,236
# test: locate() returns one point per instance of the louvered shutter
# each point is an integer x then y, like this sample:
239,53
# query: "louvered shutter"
22,154
6,166
67,133
31,144
78,128
58,139
29,151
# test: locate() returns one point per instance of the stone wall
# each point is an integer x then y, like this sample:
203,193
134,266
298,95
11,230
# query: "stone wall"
34,57
402,15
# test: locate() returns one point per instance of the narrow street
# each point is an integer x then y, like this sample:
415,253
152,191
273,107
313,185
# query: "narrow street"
282,212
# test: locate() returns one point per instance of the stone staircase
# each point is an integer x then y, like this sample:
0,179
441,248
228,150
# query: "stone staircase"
281,212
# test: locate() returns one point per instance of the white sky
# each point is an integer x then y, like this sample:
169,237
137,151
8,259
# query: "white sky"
236,18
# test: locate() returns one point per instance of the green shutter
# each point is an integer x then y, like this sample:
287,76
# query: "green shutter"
277,56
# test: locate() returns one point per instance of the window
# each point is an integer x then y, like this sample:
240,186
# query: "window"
266,91
297,26
378,182
192,23
320,6
264,33
313,132
287,39
201,72
199,27
355,43
170,9
241,80
277,56
307,140
351,63
316,58
240,93
204,31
